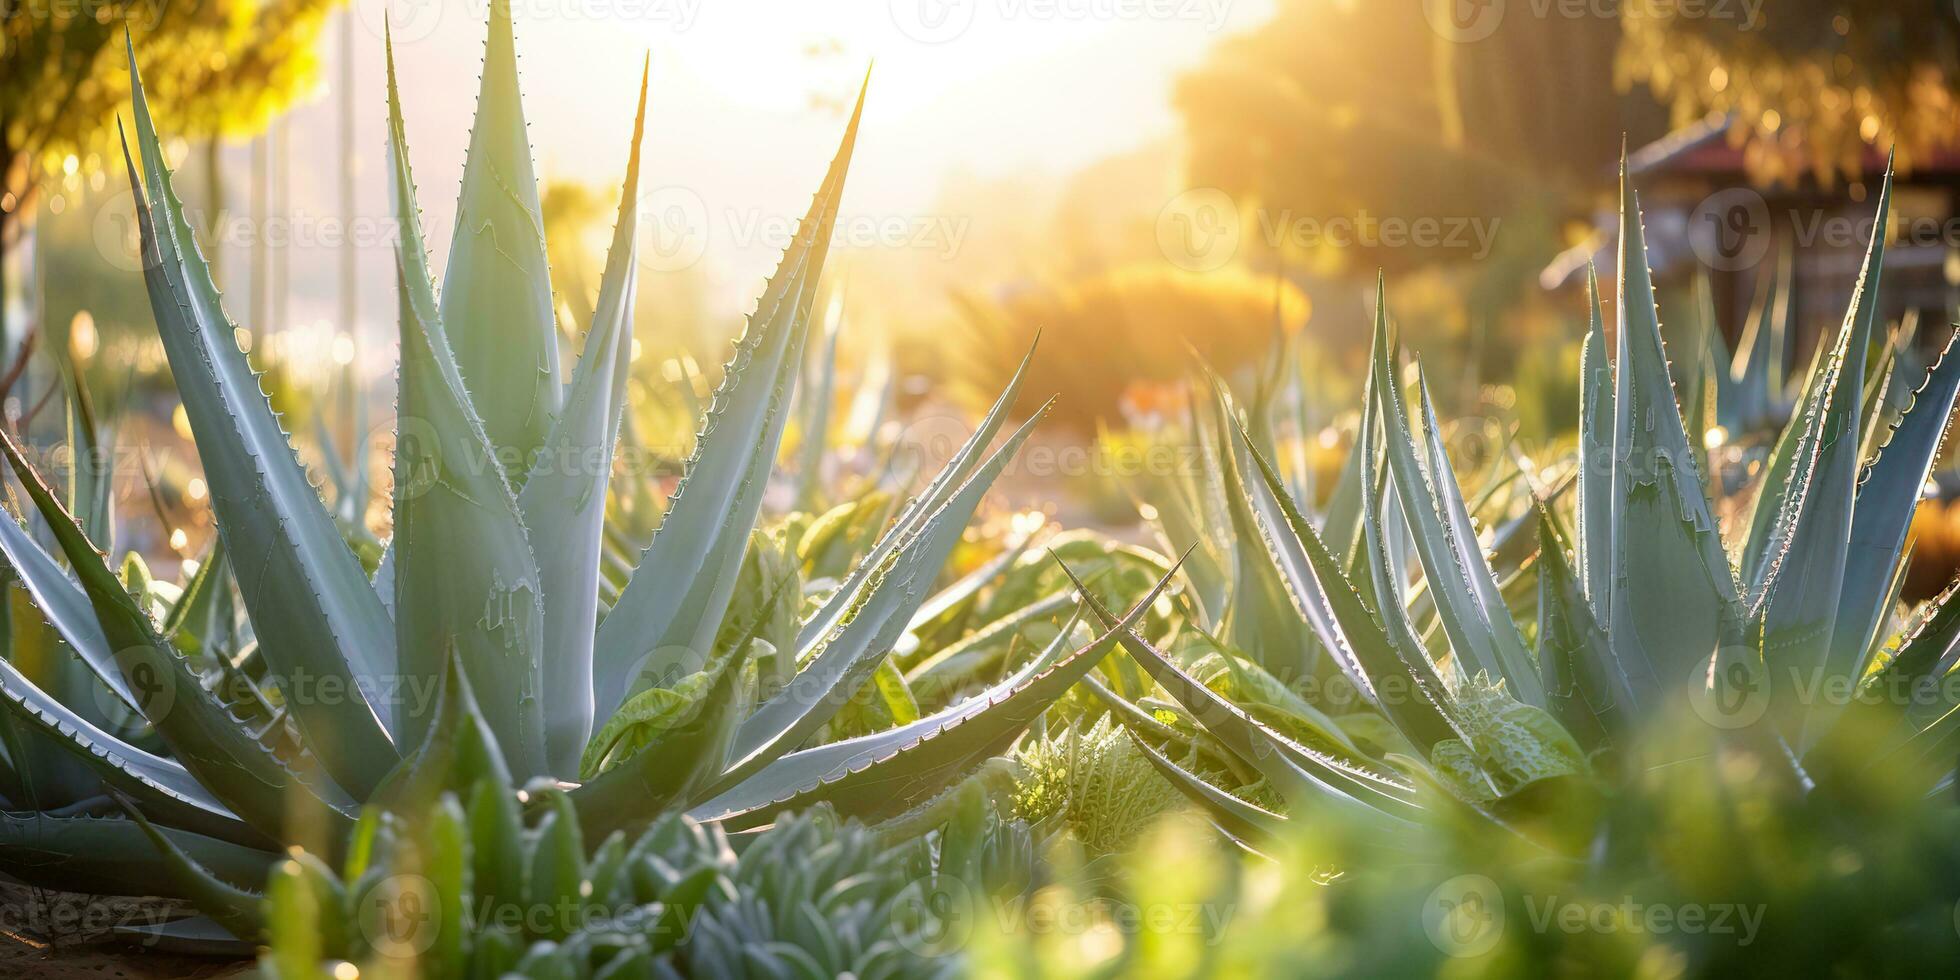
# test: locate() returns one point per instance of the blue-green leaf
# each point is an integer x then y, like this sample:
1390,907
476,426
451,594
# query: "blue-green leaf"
319,622
466,584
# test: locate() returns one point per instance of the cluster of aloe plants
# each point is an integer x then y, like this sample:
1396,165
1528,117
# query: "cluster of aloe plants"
288,687
1507,695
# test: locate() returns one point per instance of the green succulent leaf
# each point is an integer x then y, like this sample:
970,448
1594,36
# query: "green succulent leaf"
564,498
201,733
318,618
1798,606
466,582
675,601
1672,597
1888,494
496,290
1595,483
842,660
878,775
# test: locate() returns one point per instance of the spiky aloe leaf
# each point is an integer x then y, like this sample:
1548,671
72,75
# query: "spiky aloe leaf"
201,733
163,785
114,855
979,653
844,658
1799,604
1758,364
1584,687
1298,773
1484,585
564,499
460,751
1244,821
235,908
922,507
970,584
673,605
1261,618
1596,457
1887,496
318,620
466,583
1345,626
496,290
1672,591
879,775
63,604
1432,505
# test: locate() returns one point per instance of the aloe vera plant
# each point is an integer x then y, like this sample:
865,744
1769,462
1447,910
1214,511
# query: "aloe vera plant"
660,690
1783,640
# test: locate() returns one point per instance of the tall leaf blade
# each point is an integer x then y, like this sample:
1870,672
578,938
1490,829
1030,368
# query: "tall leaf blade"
1887,498
881,774
496,290
202,735
1595,484
564,499
466,584
1672,592
923,506
1799,604
1472,636
674,603
842,660
319,622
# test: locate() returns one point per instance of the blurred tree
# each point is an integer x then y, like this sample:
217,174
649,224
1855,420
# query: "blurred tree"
1813,83
1336,109
213,68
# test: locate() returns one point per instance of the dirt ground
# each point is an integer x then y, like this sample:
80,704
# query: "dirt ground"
64,936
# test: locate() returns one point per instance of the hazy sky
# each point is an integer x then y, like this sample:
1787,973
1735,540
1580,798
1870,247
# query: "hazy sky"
747,102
